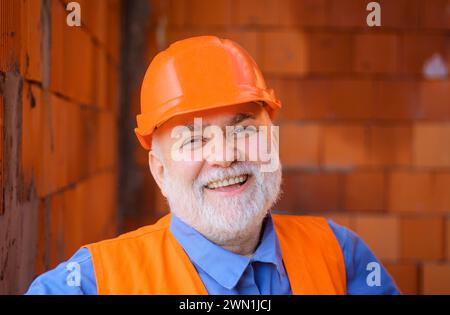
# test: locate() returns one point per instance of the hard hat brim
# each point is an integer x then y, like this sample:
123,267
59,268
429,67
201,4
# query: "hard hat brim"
147,120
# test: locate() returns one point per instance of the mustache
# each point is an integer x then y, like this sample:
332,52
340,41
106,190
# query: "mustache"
235,169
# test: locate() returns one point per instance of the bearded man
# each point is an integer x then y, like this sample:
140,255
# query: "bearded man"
207,120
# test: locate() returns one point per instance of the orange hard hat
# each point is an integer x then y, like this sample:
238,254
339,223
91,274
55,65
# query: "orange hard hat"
199,73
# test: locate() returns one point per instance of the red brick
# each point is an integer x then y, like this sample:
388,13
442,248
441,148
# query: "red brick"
104,221
59,137
113,88
85,199
2,154
285,52
176,12
73,213
101,78
305,152
410,191
406,276
398,100
99,20
31,40
435,14
432,144
209,13
302,99
53,160
447,232
156,197
174,35
422,238
351,99
113,29
149,194
107,140
344,146
73,142
93,18
376,53
45,181
57,54
347,13
436,278
72,58
345,220
10,48
344,99
249,40
331,52
402,14
89,138
441,192
161,8
281,12
381,234
309,192
41,263
32,120
98,207
307,13
418,48
435,100
390,145
364,191
56,235
77,73
261,12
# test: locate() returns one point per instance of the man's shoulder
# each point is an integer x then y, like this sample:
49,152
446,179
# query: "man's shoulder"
74,276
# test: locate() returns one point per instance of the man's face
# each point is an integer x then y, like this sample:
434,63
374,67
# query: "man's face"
223,194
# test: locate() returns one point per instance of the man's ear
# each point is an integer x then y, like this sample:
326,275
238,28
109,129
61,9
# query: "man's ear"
157,170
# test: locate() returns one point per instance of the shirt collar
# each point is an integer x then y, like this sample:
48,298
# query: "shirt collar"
222,265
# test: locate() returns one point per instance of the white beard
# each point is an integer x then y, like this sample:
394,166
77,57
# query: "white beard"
228,218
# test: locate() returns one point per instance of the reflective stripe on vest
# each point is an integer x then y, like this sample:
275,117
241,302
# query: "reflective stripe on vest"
150,260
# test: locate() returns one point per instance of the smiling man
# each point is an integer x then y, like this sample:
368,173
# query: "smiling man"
207,122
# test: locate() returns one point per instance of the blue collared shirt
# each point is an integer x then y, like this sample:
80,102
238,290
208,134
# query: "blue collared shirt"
223,272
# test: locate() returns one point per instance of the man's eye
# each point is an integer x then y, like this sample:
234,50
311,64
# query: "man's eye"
193,142
240,130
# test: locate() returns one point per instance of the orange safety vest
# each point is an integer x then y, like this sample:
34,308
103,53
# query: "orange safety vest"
150,260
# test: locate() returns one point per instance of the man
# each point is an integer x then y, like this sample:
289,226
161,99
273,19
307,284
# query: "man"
207,120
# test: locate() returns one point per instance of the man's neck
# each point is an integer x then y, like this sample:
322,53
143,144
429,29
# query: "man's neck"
247,244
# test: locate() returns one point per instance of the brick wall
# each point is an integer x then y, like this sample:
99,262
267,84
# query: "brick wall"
365,137
59,109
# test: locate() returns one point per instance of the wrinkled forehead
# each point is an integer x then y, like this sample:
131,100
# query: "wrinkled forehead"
224,116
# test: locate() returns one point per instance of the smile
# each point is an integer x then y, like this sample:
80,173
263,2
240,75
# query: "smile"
229,182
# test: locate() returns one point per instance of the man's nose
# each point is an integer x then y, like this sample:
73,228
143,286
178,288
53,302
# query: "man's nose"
222,153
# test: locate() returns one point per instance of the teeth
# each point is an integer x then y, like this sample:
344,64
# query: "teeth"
227,182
